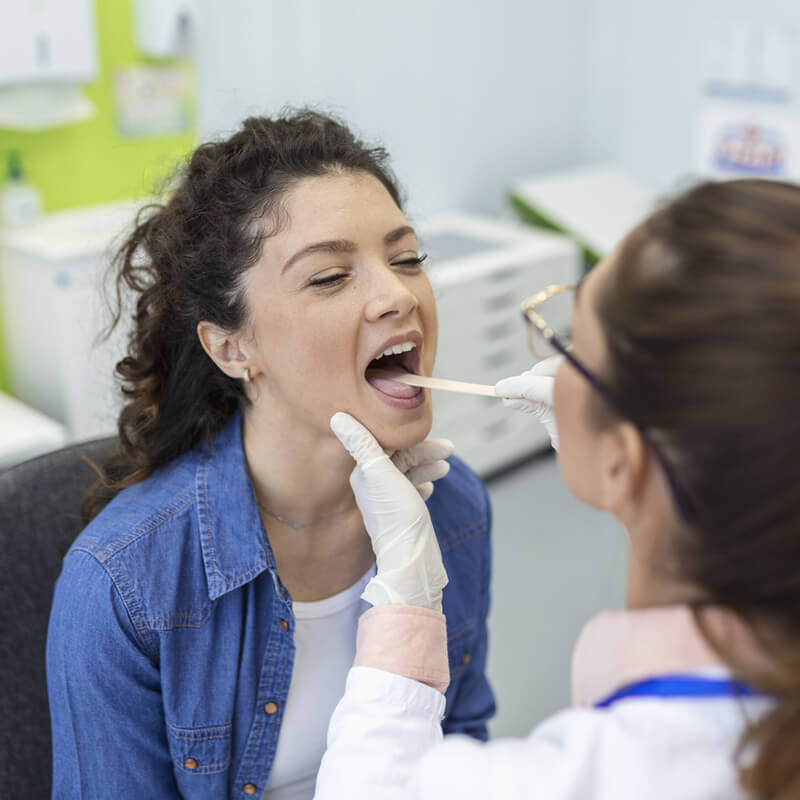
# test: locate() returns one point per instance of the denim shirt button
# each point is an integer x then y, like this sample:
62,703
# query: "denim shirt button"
190,763
284,624
271,708
250,788
465,658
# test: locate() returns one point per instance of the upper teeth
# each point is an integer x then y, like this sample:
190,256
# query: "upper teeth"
395,349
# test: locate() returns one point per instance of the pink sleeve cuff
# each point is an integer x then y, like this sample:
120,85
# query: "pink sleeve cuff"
405,640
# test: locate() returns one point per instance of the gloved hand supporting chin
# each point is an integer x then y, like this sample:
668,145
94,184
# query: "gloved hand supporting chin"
424,463
409,562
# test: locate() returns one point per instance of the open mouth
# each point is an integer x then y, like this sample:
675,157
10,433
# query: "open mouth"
402,356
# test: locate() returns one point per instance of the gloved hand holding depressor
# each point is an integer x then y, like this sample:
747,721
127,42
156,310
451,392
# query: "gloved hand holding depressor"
532,393
409,563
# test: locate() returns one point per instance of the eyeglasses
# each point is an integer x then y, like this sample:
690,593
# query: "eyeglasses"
546,339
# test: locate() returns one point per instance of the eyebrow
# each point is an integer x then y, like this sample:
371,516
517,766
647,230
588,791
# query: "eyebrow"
332,246
343,246
396,235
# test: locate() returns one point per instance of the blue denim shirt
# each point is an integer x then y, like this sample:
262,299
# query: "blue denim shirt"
170,647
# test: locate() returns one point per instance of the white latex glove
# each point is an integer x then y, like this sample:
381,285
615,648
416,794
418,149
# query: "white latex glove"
424,463
532,393
409,563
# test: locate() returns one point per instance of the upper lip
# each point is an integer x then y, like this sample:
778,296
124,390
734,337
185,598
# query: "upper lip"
408,336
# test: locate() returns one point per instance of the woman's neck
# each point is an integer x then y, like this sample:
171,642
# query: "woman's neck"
654,579
303,477
297,473
649,582
653,575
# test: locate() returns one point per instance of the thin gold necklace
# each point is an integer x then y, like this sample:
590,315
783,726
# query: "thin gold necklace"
300,525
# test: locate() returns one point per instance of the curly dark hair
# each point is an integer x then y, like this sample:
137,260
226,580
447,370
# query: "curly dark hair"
185,261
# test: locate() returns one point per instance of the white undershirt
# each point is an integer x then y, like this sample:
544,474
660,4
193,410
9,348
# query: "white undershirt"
325,645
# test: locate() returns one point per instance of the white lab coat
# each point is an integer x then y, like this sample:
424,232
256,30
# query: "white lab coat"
385,740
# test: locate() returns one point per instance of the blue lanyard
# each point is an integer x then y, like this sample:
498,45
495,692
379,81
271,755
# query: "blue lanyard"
684,686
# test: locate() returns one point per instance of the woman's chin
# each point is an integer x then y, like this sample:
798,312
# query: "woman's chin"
401,436
395,429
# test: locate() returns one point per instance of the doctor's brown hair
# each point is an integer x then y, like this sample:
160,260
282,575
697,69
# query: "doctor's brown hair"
701,314
185,262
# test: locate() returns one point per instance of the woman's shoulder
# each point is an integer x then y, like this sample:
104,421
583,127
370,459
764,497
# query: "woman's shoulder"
142,508
150,543
460,507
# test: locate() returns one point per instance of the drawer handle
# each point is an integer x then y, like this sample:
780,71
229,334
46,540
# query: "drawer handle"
503,274
499,301
501,330
498,359
495,429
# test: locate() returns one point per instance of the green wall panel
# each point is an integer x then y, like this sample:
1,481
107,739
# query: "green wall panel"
89,162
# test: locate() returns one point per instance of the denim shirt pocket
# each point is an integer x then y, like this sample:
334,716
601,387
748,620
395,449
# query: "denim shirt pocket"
459,648
201,751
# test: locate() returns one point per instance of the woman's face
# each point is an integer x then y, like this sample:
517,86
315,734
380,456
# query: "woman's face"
572,393
334,289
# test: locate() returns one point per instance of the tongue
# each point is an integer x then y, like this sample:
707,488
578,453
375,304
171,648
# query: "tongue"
390,387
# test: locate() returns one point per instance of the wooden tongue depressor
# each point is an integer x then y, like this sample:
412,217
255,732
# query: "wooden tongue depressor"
434,383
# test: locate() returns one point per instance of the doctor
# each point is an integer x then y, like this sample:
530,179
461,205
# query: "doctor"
678,410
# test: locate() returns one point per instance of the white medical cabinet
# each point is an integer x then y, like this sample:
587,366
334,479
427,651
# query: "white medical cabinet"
481,270
50,279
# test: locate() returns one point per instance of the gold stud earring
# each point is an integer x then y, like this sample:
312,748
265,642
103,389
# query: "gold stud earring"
246,375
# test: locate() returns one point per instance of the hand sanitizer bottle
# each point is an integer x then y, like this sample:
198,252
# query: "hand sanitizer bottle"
20,202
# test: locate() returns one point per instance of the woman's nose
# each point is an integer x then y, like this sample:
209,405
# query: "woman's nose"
390,298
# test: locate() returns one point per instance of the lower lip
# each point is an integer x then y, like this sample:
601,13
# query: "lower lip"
405,403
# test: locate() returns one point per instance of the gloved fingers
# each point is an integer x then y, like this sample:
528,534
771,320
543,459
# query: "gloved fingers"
548,367
425,489
357,440
511,387
534,388
519,385
539,389
428,472
521,404
423,453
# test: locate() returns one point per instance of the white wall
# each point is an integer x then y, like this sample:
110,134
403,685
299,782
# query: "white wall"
644,68
466,96
469,96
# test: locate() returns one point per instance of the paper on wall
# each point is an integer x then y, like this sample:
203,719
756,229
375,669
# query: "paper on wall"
736,141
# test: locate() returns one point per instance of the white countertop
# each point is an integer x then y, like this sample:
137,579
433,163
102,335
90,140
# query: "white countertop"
598,204
25,432
73,233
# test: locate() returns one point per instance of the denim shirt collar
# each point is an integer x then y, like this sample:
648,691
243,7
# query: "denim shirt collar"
233,539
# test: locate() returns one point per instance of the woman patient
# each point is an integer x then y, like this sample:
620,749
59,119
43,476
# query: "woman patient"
205,620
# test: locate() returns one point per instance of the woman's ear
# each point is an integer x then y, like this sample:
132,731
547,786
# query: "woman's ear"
223,348
623,466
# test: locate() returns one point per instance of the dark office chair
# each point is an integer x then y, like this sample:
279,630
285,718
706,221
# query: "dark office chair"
39,518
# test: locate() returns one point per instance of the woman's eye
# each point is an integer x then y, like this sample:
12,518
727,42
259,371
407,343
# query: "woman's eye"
328,280
411,263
